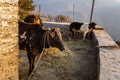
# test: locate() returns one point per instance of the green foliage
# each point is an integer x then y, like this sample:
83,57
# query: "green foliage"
25,8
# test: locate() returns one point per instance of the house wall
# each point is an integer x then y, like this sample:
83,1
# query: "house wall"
8,39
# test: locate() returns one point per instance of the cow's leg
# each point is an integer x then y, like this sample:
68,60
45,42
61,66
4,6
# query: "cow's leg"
29,55
30,58
32,62
84,35
71,35
90,34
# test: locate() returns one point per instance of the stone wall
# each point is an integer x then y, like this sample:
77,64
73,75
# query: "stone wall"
8,40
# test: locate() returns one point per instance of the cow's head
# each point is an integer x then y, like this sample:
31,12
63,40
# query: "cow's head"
37,39
33,19
92,25
56,39
30,19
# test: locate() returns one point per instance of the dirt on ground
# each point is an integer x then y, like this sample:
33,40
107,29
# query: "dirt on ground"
77,62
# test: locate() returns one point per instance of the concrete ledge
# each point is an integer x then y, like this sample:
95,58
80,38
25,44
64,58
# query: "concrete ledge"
109,64
99,28
104,40
57,24
109,52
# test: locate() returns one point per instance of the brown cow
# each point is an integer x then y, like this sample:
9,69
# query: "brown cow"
35,42
38,38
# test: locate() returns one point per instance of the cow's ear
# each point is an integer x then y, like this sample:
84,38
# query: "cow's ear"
52,34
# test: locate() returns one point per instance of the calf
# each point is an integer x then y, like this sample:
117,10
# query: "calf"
82,28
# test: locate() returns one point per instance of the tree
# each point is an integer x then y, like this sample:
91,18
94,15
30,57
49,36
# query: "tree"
25,7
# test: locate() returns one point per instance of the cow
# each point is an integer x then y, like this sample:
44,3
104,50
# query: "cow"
29,19
23,27
82,28
38,38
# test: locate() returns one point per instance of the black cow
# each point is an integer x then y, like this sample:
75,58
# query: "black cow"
32,20
74,26
38,38
82,28
23,27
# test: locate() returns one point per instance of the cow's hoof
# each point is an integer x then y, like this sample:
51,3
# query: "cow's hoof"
69,38
84,40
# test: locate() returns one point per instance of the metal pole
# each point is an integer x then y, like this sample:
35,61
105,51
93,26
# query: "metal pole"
39,9
73,11
91,16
